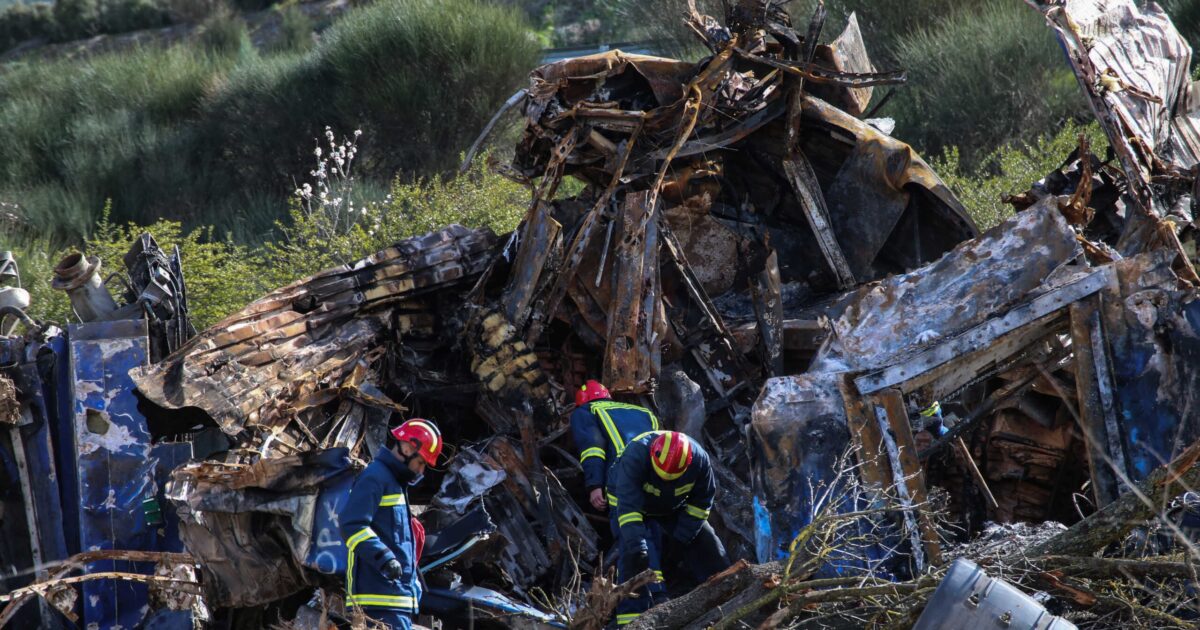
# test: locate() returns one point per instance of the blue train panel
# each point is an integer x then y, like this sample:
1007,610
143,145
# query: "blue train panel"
116,464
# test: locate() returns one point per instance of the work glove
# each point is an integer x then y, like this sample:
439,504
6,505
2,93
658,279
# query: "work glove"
392,570
640,561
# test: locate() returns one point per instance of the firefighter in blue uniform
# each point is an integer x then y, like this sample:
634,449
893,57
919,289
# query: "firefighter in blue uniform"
381,571
664,487
601,428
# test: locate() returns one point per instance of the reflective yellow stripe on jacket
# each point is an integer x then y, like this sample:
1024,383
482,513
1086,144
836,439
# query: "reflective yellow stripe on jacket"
601,409
391,500
387,601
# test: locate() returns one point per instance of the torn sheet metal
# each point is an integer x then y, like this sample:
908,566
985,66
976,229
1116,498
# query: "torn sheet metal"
798,433
1134,66
246,371
264,531
1152,330
881,322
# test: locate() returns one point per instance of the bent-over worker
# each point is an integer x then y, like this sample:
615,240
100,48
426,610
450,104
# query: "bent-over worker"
664,487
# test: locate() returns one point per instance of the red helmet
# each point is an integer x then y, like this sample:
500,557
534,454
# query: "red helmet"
422,434
591,390
670,454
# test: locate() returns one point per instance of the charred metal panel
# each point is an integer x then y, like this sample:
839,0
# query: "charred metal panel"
884,320
257,530
798,431
1153,334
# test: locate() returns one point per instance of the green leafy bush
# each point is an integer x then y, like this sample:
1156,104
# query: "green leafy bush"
982,78
76,18
22,22
1010,170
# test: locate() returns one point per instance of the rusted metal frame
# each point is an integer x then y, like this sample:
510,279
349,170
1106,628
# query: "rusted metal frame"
692,107
512,102
1108,404
907,471
696,292
583,237
981,336
983,410
626,358
546,189
808,192
1105,485
18,444
1120,134
816,74
874,467
774,108
530,264
977,476
766,290
691,113
186,586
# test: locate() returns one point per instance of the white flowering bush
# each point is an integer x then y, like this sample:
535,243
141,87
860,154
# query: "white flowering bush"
333,222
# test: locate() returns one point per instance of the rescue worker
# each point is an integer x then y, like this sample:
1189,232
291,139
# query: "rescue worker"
381,571
664,487
601,428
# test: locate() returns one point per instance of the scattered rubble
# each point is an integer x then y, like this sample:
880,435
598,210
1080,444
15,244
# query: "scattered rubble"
752,256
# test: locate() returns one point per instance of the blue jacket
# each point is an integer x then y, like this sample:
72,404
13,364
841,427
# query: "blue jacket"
601,429
376,527
641,493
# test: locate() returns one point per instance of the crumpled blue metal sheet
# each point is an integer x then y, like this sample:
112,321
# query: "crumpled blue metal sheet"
1153,334
798,432
116,464
327,553
38,451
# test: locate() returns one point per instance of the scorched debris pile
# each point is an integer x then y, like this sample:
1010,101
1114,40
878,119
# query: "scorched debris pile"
753,257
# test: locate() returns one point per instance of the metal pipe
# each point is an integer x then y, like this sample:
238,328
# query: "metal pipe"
80,278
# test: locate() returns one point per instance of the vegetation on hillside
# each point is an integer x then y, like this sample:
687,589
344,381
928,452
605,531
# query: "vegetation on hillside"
212,133
223,275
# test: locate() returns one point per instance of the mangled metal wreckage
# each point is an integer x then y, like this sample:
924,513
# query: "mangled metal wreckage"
751,255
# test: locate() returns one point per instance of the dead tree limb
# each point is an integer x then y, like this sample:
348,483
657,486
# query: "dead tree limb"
1113,521
1109,568
718,589
601,601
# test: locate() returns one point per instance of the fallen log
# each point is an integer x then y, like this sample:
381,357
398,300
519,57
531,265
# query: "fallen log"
717,590
1113,521
1110,568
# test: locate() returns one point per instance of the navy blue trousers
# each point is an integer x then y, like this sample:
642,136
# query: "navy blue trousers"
705,556
393,619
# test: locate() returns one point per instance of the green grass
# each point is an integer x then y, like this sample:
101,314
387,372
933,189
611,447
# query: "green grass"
215,134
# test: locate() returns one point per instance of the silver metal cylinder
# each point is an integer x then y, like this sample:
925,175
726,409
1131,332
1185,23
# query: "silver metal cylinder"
80,278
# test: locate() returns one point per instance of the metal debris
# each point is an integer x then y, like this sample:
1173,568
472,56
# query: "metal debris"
778,277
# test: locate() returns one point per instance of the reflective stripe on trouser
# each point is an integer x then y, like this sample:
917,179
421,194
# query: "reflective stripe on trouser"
393,619
656,592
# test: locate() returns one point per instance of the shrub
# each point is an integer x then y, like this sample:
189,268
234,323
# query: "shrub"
982,78
209,136
1010,170
224,32
121,16
295,30
76,19
22,22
